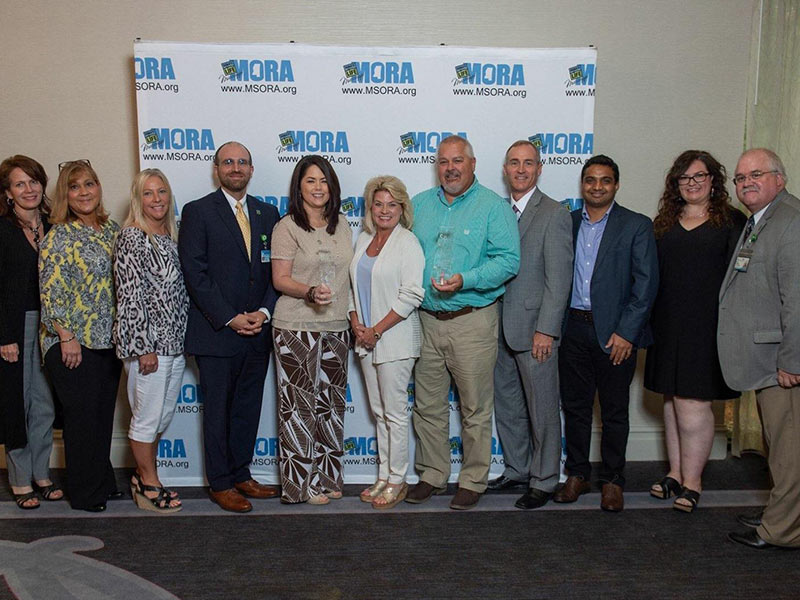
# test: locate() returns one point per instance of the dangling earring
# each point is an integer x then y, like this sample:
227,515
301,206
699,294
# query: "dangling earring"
9,201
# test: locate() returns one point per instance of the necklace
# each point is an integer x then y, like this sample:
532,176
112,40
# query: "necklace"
33,229
699,215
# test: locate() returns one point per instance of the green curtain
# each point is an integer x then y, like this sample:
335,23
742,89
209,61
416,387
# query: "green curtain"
773,121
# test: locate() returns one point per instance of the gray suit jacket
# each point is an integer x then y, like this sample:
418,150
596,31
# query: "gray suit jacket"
535,300
759,311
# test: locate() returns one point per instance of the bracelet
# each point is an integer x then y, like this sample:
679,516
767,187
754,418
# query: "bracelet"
310,295
67,340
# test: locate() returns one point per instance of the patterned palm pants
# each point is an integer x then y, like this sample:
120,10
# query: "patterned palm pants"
312,383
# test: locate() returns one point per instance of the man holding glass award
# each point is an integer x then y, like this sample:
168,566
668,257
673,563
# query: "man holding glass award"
471,243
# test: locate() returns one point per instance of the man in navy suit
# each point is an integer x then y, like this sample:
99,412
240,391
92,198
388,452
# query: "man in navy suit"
614,285
224,246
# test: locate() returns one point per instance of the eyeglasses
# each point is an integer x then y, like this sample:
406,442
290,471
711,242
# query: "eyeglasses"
697,178
228,162
80,161
754,175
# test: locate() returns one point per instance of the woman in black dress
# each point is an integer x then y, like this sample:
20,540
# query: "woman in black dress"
696,231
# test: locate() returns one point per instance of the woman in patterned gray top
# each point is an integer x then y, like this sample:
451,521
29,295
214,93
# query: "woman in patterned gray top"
152,308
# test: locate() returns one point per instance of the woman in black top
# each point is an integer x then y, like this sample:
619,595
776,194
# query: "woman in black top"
26,402
696,232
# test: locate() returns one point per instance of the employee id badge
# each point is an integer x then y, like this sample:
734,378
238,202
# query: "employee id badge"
265,255
743,260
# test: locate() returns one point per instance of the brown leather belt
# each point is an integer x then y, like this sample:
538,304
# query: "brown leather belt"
581,315
446,315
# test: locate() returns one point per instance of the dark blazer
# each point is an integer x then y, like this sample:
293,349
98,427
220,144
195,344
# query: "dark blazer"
221,281
19,275
625,277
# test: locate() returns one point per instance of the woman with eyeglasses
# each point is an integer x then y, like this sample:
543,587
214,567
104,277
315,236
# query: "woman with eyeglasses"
696,233
152,311
77,296
26,401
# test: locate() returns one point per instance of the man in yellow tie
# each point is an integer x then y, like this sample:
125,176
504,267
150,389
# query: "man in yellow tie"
224,245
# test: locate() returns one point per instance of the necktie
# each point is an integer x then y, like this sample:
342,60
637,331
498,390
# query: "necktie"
517,213
244,225
748,229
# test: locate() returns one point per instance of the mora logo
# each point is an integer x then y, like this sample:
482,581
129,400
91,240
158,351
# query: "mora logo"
563,147
361,446
313,141
171,448
178,139
378,72
242,69
489,74
425,141
150,67
581,74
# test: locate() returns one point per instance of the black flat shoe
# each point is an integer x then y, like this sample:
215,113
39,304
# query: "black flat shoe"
116,495
751,521
533,498
504,483
751,539
96,508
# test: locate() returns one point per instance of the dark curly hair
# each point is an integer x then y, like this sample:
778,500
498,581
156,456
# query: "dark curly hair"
671,204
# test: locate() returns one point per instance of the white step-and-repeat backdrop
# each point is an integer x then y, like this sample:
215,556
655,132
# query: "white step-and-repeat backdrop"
369,111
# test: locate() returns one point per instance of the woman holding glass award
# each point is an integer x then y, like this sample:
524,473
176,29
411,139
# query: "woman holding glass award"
311,250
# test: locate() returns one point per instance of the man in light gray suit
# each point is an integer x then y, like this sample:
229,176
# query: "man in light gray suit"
759,336
526,373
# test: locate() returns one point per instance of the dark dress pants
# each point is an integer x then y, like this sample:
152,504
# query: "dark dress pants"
88,394
232,387
584,368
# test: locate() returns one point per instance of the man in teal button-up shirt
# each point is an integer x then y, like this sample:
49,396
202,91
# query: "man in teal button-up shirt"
471,243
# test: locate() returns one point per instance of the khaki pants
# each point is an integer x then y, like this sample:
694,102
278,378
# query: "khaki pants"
466,348
780,413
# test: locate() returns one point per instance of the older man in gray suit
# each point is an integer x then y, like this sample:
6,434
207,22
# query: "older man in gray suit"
759,336
526,373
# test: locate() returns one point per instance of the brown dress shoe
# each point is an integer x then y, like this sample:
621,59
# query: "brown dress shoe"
574,487
231,500
253,489
422,492
611,499
465,499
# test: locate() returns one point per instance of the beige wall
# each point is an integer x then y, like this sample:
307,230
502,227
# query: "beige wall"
672,74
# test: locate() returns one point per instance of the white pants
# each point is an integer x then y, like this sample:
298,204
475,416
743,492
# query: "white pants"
153,397
387,390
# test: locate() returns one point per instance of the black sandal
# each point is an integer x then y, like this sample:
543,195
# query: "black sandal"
692,496
159,504
47,491
669,488
21,499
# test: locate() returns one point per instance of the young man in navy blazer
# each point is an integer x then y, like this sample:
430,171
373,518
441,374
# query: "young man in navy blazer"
614,285
224,246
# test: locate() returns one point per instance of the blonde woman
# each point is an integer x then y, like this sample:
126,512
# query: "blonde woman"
77,297
152,310
386,283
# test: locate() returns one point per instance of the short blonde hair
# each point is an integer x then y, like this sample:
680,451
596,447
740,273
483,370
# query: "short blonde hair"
136,217
397,190
60,212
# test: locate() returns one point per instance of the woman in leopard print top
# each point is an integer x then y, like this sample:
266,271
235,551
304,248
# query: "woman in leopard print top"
152,308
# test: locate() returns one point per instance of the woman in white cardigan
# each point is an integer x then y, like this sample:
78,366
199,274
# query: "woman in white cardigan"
386,276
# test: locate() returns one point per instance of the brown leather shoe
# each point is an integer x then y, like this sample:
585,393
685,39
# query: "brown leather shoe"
465,499
611,499
574,487
253,489
231,500
422,492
